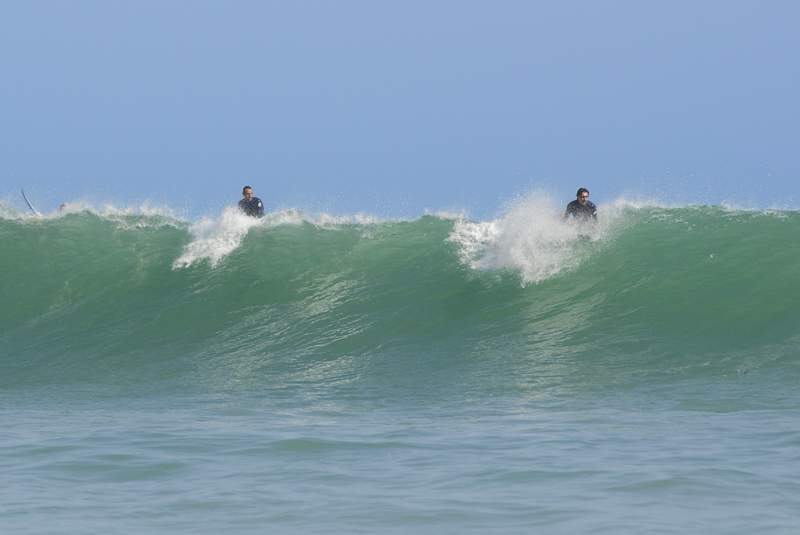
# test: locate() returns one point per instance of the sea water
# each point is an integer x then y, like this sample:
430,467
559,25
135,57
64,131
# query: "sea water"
309,374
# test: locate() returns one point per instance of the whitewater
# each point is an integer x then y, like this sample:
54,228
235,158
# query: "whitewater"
307,373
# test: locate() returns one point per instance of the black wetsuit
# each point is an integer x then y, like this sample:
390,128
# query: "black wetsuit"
581,211
254,207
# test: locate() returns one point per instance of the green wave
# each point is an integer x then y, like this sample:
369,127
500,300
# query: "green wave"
147,301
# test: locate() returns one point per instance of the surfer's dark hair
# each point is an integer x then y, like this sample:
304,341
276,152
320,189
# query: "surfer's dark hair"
582,190
246,187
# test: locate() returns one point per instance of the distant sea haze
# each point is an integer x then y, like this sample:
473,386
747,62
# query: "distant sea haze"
309,374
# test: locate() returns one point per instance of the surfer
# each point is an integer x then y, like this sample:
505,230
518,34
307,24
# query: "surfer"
582,208
250,205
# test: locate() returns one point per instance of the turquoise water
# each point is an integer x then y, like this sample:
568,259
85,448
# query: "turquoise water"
312,374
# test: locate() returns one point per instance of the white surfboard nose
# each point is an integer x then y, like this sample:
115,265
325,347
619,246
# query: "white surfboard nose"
35,211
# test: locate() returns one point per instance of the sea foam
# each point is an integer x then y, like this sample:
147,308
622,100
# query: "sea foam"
214,239
533,238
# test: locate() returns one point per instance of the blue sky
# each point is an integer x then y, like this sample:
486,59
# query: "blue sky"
390,108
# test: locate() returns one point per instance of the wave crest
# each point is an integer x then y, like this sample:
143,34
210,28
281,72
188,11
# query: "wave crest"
532,238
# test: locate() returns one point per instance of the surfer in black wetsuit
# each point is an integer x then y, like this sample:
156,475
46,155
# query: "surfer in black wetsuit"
250,205
582,209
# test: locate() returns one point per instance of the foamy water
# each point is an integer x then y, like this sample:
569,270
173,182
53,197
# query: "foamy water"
533,238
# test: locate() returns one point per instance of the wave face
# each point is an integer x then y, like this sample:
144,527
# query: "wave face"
438,303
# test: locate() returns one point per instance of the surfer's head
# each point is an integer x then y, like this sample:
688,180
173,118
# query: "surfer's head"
248,193
583,195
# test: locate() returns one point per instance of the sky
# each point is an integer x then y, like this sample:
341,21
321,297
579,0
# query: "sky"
393,108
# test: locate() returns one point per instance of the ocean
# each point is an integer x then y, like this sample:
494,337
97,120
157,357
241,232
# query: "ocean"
305,373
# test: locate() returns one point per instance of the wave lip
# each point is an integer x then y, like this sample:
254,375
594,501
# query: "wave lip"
533,238
214,239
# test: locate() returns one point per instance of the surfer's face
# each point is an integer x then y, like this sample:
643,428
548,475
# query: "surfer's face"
583,198
248,194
